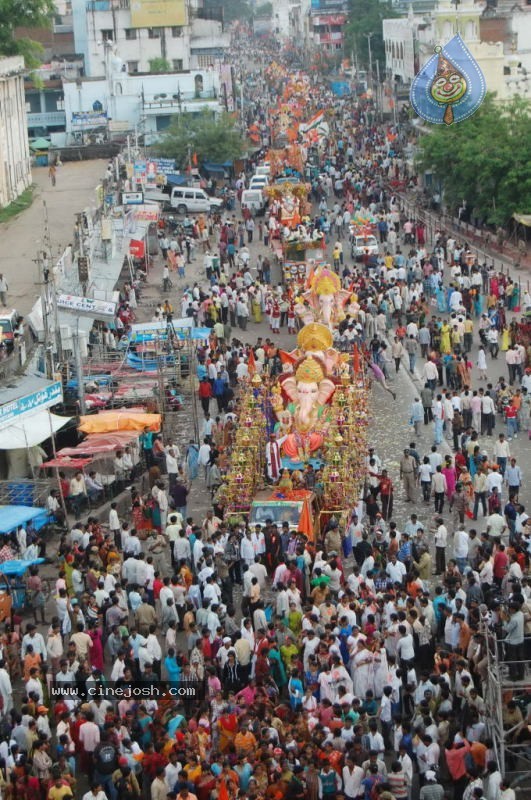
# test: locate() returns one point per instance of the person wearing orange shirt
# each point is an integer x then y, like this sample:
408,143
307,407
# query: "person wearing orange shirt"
244,742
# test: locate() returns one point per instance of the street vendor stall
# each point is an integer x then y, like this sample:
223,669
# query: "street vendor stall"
12,517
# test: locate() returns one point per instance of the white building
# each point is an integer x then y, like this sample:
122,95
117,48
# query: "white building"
291,20
15,170
144,103
178,31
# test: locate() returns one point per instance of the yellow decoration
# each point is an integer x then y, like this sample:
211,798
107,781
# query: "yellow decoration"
309,372
314,337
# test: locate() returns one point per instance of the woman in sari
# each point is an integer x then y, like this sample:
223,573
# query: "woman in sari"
10,643
445,338
192,456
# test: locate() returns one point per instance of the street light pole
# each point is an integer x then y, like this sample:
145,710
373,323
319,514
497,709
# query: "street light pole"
369,37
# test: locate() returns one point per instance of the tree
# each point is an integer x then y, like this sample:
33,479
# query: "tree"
233,9
210,137
29,14
159,65
485,160
264,10
365,17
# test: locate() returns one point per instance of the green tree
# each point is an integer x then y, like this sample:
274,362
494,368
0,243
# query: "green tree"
159,65
29,14
211,138
233,9
485,160
365,17
263,10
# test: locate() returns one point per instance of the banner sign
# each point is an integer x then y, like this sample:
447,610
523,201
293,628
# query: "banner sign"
41,399
158,13
86,306
83,120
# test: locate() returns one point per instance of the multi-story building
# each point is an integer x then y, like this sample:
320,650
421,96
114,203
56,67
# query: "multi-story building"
498,36
15,170
148,36
143,103
328,20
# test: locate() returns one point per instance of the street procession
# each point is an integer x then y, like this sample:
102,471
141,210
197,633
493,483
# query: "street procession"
264,427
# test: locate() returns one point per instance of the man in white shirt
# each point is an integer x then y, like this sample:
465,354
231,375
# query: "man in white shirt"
502,453
441,540
461,549
396,570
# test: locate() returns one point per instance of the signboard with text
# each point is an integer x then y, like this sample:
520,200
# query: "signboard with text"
86,306
43,398
84,120
132,198
158,13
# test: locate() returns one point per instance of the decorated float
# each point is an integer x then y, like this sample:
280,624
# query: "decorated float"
312,418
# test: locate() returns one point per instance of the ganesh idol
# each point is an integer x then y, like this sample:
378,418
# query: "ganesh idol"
325,298
308,391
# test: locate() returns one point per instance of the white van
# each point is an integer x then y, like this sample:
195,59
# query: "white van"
186,199
263,169
258,182
254,200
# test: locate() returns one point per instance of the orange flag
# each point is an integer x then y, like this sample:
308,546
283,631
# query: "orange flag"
251,363
223,793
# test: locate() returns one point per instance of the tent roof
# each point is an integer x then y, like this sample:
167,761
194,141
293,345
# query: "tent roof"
125,420
18,566
523,219
100,443
31,431
40,144
13,516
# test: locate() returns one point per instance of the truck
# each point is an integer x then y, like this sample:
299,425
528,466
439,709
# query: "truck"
298,507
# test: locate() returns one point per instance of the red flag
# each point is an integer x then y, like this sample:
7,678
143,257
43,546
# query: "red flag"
136,248
223,793
356,359
251,363
194,159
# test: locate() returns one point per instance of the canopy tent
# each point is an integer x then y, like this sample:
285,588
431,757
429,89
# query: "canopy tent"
176,180
125,419
18,566
40,144
13,516
96,443
32,430
64,462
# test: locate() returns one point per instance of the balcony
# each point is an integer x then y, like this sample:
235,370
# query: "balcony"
173,102
48,118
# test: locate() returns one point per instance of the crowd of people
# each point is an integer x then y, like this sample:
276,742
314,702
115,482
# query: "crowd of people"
195,659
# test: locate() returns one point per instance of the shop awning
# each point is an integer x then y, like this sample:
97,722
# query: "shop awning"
123,420
13,516
32,430
100,443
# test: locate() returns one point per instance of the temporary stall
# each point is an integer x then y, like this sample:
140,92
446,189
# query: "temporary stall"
26,422
124,419
11,517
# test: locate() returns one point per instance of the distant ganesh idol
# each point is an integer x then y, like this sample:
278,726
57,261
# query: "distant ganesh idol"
308,391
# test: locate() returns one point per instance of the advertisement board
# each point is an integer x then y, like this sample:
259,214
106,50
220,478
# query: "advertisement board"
41,399
132,198
157,13
84,120
86,306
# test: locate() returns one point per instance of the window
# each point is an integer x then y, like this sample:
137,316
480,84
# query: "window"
154,33
506,70
176,31
130,33
177,64
61,105
132,67
107,34
204,61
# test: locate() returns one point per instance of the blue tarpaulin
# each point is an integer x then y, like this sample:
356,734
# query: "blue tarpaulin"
340,88
212,167
176,180
19,566
13,516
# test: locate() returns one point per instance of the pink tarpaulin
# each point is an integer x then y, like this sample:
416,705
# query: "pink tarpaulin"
66,463
101,443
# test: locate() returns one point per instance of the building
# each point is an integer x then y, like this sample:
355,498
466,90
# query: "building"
328,19
161,36
497,35
143,103
291,20
15,170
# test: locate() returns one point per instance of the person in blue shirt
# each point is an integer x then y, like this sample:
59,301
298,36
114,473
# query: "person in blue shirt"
173,668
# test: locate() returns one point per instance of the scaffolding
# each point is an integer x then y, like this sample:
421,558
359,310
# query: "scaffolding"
508,680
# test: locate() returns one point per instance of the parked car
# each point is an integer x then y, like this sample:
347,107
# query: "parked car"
185,199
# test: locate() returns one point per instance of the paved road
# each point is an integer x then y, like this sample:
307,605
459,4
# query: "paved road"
24,235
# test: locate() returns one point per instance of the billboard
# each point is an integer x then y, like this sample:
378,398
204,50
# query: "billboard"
157,13
84,120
